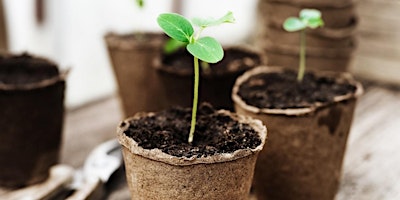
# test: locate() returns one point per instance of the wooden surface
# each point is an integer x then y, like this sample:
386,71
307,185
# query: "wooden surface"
371,167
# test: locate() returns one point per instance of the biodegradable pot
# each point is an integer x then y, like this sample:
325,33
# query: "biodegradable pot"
215,85
32,109
316,3
153,174
282,37
306,145
133,57
318,59
277,13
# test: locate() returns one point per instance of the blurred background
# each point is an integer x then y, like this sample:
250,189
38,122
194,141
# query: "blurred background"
71,32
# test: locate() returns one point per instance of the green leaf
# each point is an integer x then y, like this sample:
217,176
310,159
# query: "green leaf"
311,17
173,45
306,14
292,24
227,18
315,23
176,26
202,22
206,49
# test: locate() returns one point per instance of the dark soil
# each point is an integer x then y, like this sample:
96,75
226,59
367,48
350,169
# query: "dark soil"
215,133
235,60
24,69
282,90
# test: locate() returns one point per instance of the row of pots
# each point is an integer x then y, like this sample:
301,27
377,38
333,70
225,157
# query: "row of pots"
32,146
168,79
301,160
328,48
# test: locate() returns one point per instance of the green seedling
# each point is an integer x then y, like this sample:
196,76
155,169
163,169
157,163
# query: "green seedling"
206,49
308,18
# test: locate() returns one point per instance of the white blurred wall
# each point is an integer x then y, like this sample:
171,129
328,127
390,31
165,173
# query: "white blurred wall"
73,30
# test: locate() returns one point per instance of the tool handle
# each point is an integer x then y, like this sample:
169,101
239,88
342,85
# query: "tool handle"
91,190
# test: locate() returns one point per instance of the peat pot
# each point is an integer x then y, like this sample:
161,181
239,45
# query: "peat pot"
317,58
316,3
32,109
133,57
176,74
277,13
306,143
194,171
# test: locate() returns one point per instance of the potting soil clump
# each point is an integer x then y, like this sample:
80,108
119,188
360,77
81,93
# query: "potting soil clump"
282,90
215,133
24,69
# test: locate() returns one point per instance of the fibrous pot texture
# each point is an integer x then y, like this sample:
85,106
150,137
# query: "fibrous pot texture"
306,144
196,171
317,58
32,108
176,72
316,3
133,57
276,13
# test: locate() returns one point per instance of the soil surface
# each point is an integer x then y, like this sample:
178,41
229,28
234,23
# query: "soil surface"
282,90
24,69
234,60
215,133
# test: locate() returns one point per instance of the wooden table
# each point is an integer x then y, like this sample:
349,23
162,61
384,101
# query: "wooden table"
371,169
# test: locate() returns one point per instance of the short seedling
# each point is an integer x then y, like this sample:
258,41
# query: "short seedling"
308,18
206,48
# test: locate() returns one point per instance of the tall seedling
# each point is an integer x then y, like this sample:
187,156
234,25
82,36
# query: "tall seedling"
206,48
308,18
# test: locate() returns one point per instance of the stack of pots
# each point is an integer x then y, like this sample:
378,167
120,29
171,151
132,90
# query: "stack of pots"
328,48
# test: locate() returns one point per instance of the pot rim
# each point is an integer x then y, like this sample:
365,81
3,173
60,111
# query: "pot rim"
158,155
125,41
60,77
343,76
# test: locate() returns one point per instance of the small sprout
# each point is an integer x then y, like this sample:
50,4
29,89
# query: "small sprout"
206,49
308,18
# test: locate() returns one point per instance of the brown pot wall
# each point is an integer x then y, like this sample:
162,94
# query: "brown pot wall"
277,13
153,175
317,59
133,58
305,149
31,125
316,3
313,63
214,88
282,37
